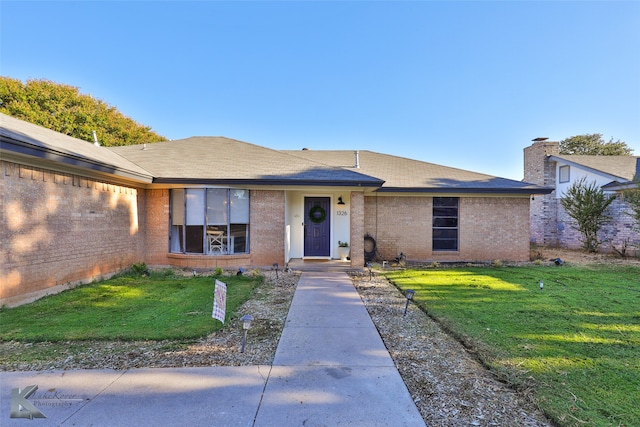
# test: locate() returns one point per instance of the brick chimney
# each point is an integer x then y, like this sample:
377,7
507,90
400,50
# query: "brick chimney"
535,162
543,208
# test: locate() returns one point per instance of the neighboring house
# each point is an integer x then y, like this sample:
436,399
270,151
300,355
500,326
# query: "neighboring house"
73,212
550,224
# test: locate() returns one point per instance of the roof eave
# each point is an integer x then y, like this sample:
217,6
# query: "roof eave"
620,186
24,149
470,190
268,182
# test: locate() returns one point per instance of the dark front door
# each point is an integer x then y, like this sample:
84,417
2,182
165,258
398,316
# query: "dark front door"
317,221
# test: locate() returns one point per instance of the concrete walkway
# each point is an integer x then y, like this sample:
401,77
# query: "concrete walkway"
331,368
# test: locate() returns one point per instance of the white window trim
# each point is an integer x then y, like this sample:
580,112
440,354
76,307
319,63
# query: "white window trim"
562,168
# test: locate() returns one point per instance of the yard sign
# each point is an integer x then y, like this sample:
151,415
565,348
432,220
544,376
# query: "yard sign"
219,301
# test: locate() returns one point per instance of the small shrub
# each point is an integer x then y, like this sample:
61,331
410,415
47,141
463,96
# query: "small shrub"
218,271
623,248
435,264
139,268
256,272
497,263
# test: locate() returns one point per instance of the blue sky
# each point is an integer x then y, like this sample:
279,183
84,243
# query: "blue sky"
462,84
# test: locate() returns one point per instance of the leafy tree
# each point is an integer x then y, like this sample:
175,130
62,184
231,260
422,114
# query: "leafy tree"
632,197
594,144
586,204
62,108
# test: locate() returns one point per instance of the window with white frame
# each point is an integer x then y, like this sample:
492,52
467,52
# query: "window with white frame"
212,221
563,172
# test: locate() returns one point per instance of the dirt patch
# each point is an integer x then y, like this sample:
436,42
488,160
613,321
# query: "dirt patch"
578,257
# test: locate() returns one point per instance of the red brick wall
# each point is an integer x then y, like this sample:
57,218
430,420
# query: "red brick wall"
490,228
157,228
493,228
267,230
61,229
357,211
400,224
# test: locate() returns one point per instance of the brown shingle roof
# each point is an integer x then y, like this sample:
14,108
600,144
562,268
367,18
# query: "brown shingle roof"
219,160
224,160
623,167
402,174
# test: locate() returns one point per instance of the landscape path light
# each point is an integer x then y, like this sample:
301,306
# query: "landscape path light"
409,293
541,284
246,324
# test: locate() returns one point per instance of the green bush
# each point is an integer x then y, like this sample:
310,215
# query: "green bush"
139,268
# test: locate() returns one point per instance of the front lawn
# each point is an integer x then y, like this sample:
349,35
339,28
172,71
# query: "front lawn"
129,307
575,343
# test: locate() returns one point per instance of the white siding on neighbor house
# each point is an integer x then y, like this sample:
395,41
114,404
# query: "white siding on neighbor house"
575,174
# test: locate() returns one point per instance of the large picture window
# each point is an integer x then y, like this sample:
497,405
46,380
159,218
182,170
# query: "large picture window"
212,221
445,224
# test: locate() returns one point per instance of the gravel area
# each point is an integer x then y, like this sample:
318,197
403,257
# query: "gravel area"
447,383
449,386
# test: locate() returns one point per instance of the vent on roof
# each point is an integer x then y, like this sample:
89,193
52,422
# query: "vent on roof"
539,139
305,149
95,138
357,153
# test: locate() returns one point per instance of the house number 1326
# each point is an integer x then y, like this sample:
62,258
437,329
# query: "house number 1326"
342,213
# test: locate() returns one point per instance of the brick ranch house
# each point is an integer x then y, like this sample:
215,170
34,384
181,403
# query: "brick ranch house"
73,212
550,224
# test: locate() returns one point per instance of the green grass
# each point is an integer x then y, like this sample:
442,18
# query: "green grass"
129,307
575,344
